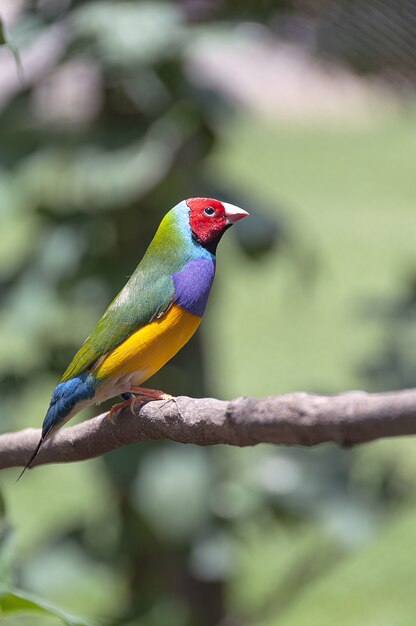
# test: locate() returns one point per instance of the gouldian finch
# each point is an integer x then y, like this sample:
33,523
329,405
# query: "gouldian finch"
153,316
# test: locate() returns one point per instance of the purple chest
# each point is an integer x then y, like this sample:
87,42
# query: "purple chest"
193,284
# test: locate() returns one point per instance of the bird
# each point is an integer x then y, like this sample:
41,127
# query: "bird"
150,320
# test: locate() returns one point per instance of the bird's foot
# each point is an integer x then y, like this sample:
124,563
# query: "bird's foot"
116,408
151,394
175,402
131,403
145,395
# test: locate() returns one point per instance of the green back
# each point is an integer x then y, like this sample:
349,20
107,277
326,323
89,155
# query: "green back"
147,295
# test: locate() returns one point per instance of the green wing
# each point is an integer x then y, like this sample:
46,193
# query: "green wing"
145,297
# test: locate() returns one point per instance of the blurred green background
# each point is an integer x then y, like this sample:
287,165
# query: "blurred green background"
303,113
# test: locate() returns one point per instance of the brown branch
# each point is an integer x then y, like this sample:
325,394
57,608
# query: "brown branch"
294,419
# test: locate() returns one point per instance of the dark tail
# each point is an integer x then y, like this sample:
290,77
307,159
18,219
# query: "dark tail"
42,440
64,398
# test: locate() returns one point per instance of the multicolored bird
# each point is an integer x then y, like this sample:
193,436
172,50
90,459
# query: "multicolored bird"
153,316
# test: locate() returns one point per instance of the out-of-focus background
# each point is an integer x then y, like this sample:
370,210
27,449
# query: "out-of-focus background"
302,112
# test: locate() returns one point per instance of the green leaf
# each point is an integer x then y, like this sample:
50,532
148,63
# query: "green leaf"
17,601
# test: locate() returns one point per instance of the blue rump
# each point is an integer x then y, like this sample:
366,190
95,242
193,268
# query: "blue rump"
64,399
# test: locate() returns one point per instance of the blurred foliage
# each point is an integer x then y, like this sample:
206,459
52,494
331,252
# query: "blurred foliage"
13,601
110,130
5,41
395,366
2,33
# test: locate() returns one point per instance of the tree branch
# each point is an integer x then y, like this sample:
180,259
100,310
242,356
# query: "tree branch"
292,419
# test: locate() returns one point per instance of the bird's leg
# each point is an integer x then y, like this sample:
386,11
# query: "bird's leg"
116,408
153,394
129,400
127,395
156,394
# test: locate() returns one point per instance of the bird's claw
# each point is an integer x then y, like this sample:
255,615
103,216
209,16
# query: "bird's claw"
170,398
132,402
115,410
140,400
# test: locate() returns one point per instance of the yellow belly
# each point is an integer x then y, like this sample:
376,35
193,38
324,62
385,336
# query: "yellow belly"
143,353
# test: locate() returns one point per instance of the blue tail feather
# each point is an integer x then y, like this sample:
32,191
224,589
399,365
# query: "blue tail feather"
64,398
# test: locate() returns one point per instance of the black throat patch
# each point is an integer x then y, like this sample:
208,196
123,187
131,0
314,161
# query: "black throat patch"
211,246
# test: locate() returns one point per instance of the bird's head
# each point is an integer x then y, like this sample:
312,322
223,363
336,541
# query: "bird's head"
209,218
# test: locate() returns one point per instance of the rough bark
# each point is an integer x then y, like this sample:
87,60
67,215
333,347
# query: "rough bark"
292,419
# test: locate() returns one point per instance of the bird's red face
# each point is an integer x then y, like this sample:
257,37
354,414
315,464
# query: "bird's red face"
209,218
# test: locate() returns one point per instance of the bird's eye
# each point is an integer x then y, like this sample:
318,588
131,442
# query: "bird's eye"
209,211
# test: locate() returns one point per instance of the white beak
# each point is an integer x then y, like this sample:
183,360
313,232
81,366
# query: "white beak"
233,213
